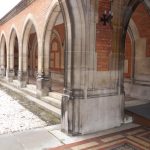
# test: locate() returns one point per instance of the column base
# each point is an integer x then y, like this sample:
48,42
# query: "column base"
10,75
22,78
43,85
2,72
85,116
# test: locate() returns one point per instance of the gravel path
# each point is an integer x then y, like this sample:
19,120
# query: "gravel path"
15,117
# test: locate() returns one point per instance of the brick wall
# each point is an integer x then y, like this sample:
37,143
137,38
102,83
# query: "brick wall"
61,30
103,39
141,18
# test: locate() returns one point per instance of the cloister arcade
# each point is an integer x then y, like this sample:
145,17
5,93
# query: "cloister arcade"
61,46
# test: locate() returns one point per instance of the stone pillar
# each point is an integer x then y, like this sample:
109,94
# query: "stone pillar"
10,67
43,76
22,74
2,71
10,74
43,85
85,109
22,78
2,59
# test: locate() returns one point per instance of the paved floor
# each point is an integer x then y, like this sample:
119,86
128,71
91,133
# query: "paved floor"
47,138
35,139
132,139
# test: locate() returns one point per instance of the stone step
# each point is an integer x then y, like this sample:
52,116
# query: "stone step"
16,83
52,101
52,109
56,95
136,102
31,87
29,91
28,94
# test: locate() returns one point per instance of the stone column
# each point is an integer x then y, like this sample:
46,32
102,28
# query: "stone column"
2,59
84,108
10,66
22,74
43,84
43,76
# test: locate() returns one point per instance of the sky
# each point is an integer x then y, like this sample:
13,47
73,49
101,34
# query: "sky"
6,6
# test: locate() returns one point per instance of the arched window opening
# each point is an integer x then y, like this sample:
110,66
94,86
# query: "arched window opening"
137,58
32,56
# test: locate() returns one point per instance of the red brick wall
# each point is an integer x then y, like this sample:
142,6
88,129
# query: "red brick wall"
61,30
128,53
141,18
103,39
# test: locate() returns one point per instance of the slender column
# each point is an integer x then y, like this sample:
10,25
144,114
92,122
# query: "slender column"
43,84
43,76
10,61
2,59
22,74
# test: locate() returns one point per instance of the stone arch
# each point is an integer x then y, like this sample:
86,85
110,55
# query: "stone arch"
131,6
71,27
13,53
50,22
3,54
133,35
139,43
29,23
128,22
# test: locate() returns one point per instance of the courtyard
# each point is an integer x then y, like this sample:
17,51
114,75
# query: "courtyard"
18,114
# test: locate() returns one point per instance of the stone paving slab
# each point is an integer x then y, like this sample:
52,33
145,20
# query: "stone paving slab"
35,139
9,142
38,139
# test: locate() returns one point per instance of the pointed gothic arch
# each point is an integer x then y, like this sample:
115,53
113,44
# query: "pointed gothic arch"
30,32
13,52
139,77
